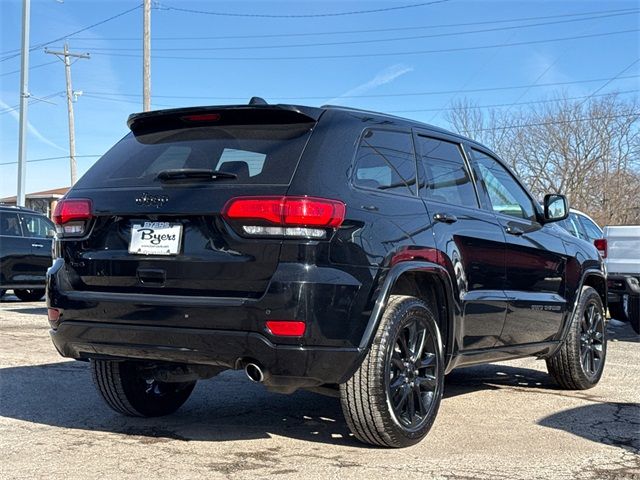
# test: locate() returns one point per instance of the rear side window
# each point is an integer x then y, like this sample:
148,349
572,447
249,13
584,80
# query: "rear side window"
10,224
257,154
35,226
446,176
385,161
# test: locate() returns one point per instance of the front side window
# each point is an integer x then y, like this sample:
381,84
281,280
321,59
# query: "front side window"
506,195
385,161
446,176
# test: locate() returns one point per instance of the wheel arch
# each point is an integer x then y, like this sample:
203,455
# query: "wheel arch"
590,278
425,280
596,280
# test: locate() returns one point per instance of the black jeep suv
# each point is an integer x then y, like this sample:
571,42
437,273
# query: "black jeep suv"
25,251
332,249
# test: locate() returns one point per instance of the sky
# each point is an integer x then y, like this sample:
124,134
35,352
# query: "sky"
405,57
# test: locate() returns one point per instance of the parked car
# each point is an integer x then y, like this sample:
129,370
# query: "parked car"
345,251
621,250
25,251
581,225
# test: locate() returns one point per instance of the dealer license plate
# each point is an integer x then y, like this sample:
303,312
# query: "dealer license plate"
155,238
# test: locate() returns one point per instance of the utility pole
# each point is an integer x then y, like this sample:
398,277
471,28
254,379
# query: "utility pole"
146,57
24,101
65,56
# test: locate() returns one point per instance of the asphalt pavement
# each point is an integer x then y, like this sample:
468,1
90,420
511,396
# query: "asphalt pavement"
498,421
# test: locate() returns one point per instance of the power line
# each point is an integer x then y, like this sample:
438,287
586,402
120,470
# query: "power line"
512,104
378,95
383,54
359,42
50,158
375,30
121,100
44,44
474,107
612,79
30,68
556,122
31,101
311,15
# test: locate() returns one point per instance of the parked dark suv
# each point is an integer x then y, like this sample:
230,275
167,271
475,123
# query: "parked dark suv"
25,251
333,249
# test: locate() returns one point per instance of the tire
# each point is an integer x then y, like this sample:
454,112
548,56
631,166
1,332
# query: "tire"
29,295
634,312
124,388
393,398
579,363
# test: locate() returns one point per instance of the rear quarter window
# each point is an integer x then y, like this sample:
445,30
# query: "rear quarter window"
385,161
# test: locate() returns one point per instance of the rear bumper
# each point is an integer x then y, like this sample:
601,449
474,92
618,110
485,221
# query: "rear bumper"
289,367
223,332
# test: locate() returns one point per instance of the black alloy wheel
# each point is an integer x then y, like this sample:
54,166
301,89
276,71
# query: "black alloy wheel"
393,398
29,294
579,361
128,388
412,374
592,331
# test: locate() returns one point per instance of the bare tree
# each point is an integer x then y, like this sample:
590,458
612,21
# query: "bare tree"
588,150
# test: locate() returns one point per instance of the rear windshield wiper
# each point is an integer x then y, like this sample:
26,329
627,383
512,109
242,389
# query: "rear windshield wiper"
193,174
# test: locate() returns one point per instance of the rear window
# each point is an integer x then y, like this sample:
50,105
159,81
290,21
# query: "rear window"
257,154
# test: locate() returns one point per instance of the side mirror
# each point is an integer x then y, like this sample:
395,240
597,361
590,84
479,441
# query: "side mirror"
556,207
51,233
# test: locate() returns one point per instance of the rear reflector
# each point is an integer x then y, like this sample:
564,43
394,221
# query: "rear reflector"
286,328
601,245
53,314
287,211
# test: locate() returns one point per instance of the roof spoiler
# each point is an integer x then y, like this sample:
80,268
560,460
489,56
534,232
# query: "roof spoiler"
258,111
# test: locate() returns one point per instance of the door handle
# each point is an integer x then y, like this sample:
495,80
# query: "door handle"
445,218
37,245
511,230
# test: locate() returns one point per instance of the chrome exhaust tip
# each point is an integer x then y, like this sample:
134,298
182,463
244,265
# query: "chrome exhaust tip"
254,372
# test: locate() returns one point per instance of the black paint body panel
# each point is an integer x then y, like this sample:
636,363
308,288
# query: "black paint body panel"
502,297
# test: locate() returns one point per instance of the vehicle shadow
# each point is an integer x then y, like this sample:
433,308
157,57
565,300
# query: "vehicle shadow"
228,407
495,377
609,423
621,332
29,310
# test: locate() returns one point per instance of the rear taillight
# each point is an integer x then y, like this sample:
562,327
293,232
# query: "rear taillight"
72,217
601,245
302,217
